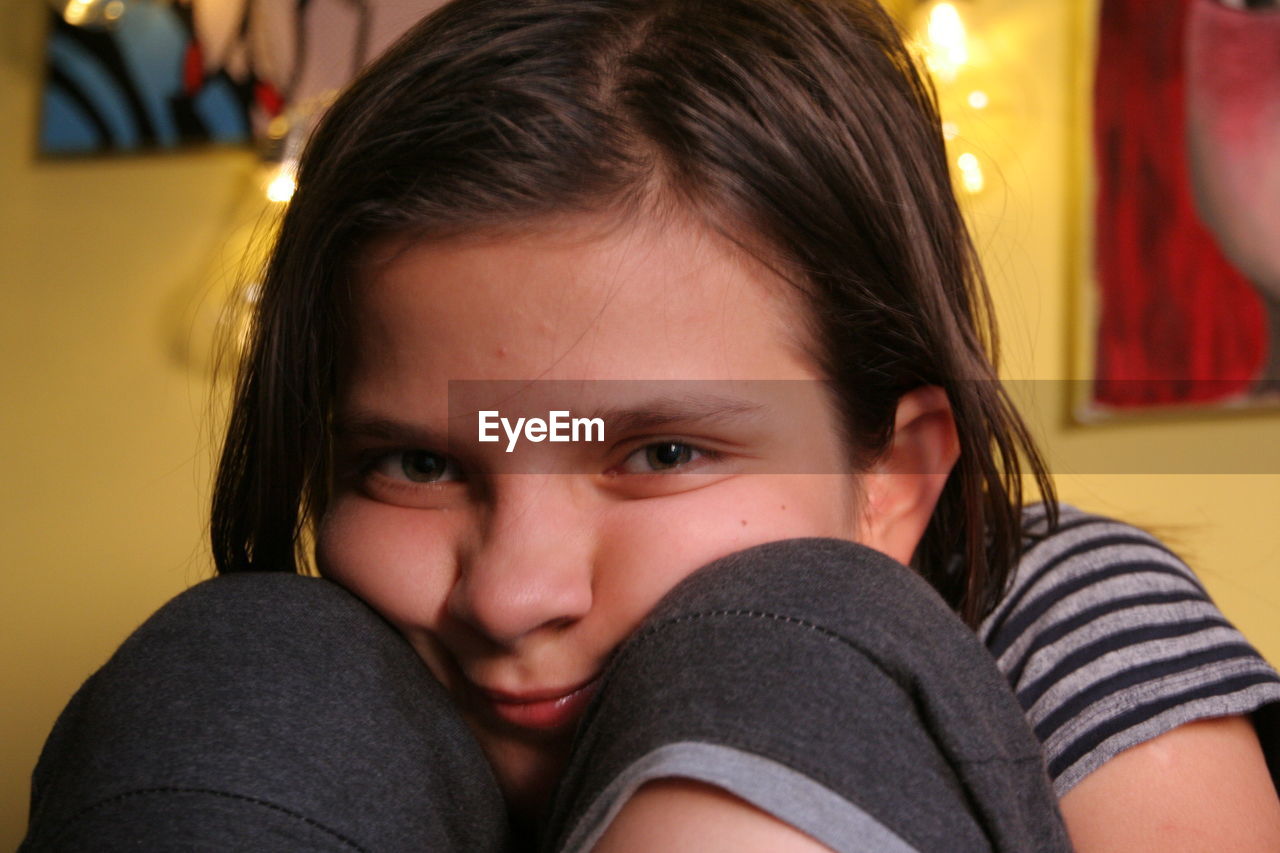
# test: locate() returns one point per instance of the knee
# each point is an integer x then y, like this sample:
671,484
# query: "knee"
240,618
821,657
250,604
246,641
840,586
795,627
276,689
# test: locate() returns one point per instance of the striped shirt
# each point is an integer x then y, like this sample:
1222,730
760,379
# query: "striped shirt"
1109,640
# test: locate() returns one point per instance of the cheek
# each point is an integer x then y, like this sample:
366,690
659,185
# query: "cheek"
653,545
1233,75
397,560
1233,128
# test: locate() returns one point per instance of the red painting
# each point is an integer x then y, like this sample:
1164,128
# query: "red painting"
1186,109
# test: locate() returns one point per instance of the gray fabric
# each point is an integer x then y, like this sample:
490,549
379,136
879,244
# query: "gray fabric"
771,787
1109,640
834,661
264,712
272,712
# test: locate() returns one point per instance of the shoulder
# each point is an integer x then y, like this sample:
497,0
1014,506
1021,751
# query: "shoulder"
1087,561
1109,640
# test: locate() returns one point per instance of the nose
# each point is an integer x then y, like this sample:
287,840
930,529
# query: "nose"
531,566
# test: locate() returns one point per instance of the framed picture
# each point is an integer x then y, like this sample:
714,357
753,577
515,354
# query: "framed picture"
127,76
1179,180
134,75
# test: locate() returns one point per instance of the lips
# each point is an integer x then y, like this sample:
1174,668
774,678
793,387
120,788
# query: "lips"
543,710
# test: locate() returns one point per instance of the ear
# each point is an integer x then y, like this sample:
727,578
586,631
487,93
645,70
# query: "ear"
901,490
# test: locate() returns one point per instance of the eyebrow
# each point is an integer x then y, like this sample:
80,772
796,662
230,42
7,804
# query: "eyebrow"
368,425
666,411
655,413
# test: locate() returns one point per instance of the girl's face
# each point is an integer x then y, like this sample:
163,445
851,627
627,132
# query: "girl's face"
1233,127
516,574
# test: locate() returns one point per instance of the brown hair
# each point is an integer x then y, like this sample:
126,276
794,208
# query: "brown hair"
802,126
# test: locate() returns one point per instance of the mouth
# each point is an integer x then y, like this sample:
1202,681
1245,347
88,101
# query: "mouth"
541,710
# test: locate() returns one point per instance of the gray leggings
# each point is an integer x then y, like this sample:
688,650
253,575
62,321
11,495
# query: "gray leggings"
816,679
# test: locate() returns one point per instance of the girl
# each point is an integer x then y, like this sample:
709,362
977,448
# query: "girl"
723,229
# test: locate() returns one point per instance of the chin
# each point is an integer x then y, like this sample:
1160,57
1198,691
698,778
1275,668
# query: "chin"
527,773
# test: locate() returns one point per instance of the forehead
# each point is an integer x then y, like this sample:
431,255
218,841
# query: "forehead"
588,298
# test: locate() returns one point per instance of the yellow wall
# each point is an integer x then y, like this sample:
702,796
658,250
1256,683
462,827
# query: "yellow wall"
1222,518
106,455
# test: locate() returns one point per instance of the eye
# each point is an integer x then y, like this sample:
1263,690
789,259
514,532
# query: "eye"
662,456
1250,5
417,466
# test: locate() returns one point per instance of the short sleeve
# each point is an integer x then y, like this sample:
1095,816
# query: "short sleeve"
1109,640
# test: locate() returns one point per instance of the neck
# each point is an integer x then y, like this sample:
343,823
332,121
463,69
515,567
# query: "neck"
525,833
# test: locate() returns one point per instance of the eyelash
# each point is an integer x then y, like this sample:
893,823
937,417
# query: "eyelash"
698,455
391,465
1246,6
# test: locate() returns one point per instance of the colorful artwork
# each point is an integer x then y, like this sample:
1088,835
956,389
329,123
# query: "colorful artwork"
133,75
1186,264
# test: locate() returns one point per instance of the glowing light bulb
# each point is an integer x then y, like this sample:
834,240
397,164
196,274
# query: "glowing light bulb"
278,127
978,99
950,130
948,47
971,177
283,184
77,12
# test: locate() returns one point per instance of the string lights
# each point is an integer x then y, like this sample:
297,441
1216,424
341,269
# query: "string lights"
91,14
972,97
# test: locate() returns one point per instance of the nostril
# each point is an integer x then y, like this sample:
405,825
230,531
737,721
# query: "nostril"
506,605
563,622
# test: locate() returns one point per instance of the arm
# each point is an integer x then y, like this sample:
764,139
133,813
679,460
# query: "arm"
684,816
1140,690
1202,786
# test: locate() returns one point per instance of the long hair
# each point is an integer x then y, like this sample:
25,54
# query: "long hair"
801,129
